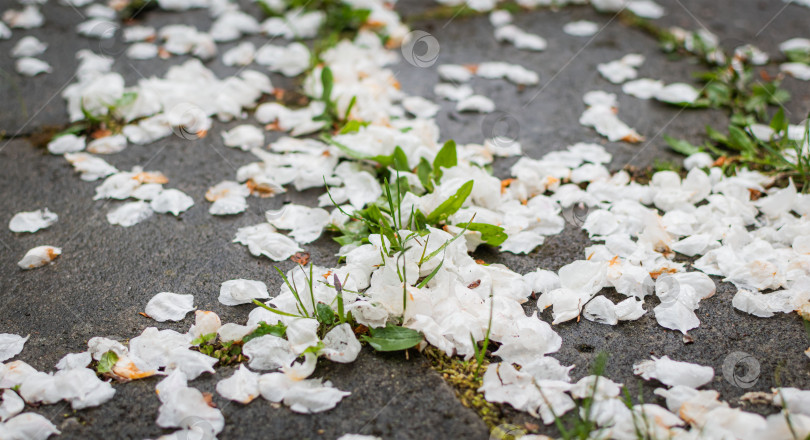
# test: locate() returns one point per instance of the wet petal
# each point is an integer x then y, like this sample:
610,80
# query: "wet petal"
39,256
242,387
168,306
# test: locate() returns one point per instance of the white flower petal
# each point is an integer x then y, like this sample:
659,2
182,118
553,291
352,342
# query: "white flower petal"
32,66
242,387
646,8
262,239
454,73
11,345
244,136
74,360
187,408
82,388
14,373
643,88
28,426
677,93
235,292
581,28
268,352
289,61
305,223
142,51
205,323
68,143
799,71
341,345
11,406
621,70
97,346
108,145
476,103
167,306
32,221
130,213
39,256
171,201
28,46
673,373
302,396
91,167
191,363
520,38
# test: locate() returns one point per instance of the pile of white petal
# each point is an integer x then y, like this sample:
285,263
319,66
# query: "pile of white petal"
759,243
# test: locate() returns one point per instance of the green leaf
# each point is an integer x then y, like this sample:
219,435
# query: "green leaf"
798,56
446,157
107,361
739,140
710,147
204,338
314,349
419,221
353,126
125,99
451,205
276,311
716,135
756,103
264,328
718,94
423,171
778,96
399,160
681,146
327,80
742,120
432,274
392,338
310,280
325,314
779,123
491,234
73,129
90,117
383,161
349,108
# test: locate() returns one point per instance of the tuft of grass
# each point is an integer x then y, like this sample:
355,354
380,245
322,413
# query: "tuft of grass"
732,84
779,156
342,21
386,216
106,123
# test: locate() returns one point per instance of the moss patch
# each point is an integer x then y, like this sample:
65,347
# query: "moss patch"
460,375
